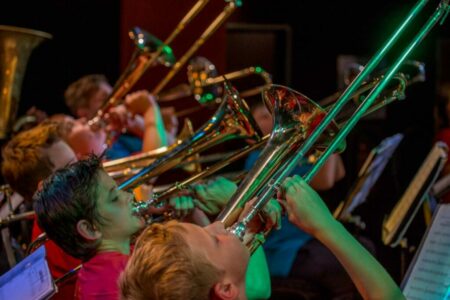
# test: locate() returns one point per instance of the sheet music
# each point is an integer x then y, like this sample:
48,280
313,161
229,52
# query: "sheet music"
429,274
30,279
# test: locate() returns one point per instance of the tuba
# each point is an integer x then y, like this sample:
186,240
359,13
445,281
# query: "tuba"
315,128
15,49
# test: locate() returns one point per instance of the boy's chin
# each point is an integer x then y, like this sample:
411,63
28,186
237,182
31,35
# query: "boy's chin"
140,221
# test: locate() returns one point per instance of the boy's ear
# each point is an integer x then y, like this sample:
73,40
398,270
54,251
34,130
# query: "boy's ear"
225,291
88,231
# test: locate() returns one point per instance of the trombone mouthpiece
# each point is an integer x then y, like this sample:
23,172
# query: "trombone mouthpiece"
238,229
140,209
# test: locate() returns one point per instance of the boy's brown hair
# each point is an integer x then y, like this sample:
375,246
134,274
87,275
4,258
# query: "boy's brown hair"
25,162
78,94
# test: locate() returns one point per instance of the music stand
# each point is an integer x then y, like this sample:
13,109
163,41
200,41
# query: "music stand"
396,224
29,279
368,176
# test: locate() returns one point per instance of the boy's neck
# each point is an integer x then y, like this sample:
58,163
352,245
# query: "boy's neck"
116,246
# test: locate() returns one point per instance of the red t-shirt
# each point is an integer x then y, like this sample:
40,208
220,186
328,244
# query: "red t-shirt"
59,263
98,278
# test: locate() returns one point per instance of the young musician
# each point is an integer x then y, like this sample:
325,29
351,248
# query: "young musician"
184,261
140,116
28,158
81,209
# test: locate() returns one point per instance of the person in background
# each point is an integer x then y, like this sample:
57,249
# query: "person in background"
28,158
140,116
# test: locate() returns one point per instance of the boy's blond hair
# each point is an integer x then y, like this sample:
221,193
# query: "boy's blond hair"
163,266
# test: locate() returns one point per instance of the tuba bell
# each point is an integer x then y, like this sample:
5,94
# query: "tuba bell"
16,45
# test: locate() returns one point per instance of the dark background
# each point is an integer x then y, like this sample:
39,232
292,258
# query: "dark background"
297,41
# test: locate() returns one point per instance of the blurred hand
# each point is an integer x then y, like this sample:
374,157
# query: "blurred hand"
305,207
117,118
269,217
212,196
139,102
183,205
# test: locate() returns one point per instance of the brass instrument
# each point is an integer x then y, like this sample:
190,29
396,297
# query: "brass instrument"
413,70
148,50
300,125
142,208
204,84
231,120
126,166
16,46
213,26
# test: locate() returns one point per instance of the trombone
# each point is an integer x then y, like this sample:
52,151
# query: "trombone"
232,120
148,50
203,84
213,26
141,208
300,125
130,165
202,77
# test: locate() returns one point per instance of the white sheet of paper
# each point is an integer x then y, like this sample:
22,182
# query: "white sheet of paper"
429,274
29,279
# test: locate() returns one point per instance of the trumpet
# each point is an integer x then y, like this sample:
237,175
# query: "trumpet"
300,125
